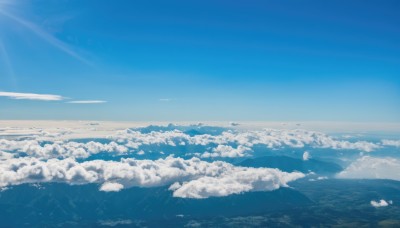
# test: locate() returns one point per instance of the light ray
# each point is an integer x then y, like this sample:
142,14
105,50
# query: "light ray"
45,36
7,63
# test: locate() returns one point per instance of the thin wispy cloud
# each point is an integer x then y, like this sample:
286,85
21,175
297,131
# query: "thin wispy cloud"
165,99
45,36
31,96
87,102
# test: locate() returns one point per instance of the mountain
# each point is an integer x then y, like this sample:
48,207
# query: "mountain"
57,203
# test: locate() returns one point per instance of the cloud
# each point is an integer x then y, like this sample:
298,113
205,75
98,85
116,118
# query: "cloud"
319,178
46,97
271,138
306,156
372,168
60,149
235,181
87,102
31,96
165,99
227,151
40,143
395,143
199,179
47,158
381,203
111,187
5,155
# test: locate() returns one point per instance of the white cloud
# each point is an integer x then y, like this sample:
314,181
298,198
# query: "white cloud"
165,99
227,151
5,155
111,187
87,102
319,178
272,138
41,143
372,168
60,149
192,178
235,181
31,96
199,179
306,156
395,143
381,203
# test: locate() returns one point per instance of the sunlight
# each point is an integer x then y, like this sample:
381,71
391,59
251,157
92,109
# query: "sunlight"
44,35
4,3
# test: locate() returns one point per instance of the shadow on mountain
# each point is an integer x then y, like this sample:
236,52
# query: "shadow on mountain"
56,203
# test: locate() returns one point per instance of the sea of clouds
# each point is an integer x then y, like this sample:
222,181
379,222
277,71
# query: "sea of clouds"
44,157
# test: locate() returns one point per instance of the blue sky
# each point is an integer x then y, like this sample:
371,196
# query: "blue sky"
201,60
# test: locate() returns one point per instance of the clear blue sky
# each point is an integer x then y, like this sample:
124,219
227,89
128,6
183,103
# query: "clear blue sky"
201,60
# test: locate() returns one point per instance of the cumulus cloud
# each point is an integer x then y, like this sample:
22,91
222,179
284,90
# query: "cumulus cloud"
5,155
272,138
234,181
306,156
111,187
60,149
395,143
227,151
87,102
381,203
199,179
372,168
39,143
50,159
31,96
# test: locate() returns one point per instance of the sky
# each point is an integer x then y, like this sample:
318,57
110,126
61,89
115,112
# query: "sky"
200,60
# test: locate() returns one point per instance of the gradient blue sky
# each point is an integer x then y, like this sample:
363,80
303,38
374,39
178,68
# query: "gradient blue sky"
202,60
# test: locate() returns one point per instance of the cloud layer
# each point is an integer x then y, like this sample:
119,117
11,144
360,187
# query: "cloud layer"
191,178
271,138
60,149
395,143
228,144
227,151
37,156
372,168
